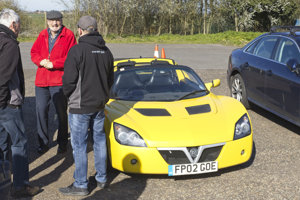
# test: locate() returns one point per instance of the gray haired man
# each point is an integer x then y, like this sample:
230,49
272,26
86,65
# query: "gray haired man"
12,92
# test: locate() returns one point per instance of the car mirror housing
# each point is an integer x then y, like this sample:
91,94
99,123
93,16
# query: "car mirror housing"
294,66
214,83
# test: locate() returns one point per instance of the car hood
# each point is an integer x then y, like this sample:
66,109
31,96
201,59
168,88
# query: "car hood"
192,122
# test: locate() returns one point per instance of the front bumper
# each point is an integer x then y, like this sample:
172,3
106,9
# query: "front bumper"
150,161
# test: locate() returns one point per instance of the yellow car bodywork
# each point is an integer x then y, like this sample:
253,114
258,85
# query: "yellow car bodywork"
176,131
142,61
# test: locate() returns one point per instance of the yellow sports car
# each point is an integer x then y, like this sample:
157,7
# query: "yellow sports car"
162,119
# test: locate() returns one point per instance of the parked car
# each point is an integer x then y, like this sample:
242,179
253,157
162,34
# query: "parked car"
266,72
162,119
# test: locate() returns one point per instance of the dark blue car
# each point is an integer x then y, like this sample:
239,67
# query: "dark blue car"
266,72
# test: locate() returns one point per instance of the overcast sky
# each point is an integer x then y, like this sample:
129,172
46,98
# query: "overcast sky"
45,5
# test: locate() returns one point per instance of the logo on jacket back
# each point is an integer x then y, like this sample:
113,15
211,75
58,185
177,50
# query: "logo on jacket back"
99,51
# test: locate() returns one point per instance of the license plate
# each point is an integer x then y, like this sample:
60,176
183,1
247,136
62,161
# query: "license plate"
194,168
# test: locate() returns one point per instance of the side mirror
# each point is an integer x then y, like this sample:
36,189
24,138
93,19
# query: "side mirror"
214,83
293,65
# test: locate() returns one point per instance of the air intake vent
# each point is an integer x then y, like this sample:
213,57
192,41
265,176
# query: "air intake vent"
198,109
174,157
153,112
210,154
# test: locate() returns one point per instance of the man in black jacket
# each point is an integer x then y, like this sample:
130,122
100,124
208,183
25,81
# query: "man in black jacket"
12,92
88,77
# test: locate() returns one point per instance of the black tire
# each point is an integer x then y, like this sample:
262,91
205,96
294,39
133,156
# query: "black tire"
238,90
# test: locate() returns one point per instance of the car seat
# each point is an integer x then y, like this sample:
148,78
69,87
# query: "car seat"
125,82
161,81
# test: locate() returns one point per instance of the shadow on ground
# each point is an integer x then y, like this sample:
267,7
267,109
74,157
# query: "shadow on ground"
274,118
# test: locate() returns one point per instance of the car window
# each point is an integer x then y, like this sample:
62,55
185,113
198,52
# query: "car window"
287,50
251,48
265,47
156,84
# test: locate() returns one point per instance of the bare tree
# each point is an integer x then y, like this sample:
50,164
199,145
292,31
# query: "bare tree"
205,17
182,16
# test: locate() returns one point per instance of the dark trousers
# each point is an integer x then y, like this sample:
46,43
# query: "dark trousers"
43,97
12,126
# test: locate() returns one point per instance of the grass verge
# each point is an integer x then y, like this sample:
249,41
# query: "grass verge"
229,38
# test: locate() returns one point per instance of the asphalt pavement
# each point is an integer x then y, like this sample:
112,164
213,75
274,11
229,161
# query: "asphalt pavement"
274,173
197,56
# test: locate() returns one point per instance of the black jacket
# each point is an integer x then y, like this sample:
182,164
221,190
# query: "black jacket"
12,89
88,75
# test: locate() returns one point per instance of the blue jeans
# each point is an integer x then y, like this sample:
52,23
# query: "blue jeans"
79,125
43,97
4,143
12,124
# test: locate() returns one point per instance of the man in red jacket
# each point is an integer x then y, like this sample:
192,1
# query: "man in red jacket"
49,52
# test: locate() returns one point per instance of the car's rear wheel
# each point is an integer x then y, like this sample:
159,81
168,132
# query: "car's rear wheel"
238,90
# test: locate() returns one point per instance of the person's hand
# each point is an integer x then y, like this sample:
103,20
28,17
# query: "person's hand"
49,65
44,62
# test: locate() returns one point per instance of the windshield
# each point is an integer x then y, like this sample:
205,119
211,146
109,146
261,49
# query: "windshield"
154,83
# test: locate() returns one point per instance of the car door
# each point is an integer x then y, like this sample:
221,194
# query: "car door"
282,86
258,57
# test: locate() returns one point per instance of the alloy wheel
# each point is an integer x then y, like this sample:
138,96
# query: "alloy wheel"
236,89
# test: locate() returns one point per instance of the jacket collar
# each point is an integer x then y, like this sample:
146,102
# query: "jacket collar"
9,32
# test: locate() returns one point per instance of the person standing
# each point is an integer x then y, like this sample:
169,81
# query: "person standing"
87,81
12,91
49,52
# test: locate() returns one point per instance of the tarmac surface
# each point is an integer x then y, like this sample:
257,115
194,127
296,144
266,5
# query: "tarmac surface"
274,173
197,56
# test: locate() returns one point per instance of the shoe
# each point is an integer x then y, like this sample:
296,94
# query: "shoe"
72,190
26,191
42,149
102,185
61,149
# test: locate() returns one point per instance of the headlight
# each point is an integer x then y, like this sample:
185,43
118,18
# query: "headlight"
127,136
242,127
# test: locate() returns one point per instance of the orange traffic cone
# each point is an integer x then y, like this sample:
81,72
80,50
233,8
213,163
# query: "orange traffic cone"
156,53
163,54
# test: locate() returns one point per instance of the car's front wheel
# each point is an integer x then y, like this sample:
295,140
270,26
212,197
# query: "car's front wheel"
238,90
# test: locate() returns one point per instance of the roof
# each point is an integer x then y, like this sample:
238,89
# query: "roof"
292,32
286,30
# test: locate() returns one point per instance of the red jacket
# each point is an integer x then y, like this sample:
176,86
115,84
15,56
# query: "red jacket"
58,55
